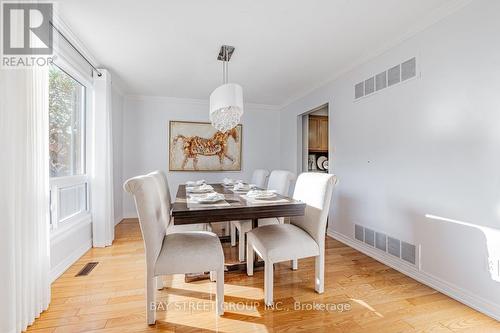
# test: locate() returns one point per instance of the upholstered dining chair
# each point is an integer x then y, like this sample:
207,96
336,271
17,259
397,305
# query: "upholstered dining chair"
303,237
166,203
259,177
174,253
279,181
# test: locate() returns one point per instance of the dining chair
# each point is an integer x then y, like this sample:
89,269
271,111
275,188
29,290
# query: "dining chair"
303,237
166,203
279,181
259,178
174,253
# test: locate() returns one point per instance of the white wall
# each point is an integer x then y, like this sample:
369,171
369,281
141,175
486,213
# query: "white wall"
427,146
117,122
145,140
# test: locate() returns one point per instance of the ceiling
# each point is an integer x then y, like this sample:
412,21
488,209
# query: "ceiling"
284,48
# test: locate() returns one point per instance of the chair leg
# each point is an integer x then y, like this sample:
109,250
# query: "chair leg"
268,283
241,245
233,234
244,228
150,299
319,280
250,258
159,283
219,296
295,264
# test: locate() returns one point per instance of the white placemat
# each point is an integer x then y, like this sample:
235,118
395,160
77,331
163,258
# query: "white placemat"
195,204
253,201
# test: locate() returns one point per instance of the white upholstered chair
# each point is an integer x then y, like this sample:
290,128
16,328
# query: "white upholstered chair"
175,253
166,202
279,181
259,178
303,237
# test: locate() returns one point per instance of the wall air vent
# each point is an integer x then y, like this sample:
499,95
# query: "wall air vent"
359,233
369,237
381,241
394,247
387,244
408,252
388,78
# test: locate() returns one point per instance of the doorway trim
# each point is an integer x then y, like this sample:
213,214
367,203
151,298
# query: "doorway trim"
301,147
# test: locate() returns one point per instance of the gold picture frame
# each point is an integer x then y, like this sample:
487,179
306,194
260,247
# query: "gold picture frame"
198,146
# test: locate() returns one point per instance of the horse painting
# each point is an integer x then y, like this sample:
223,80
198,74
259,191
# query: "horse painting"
217,146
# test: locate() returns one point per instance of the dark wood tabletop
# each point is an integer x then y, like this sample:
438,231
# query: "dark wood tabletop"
238,208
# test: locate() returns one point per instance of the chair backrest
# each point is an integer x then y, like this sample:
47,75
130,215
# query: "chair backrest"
280,181
315,190
259,177
165,199
147,203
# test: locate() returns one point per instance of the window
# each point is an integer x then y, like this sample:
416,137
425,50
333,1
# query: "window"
68,179
66,124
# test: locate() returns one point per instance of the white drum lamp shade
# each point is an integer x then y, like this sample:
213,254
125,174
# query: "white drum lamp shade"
226,106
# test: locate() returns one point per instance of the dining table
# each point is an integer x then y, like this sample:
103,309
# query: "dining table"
235,206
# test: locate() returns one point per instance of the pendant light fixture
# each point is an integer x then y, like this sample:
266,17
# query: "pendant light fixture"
226,101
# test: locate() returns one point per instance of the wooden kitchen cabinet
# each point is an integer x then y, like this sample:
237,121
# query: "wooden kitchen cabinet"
318,133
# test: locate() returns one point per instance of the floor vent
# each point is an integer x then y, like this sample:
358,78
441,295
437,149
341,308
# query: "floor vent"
387,244
87,269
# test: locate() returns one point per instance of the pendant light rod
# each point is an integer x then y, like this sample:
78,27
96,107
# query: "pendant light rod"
225,53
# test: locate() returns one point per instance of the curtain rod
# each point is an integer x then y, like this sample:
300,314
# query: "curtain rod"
74,47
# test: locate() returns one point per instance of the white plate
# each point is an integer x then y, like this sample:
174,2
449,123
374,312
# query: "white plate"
265,197
320,161
325,165
257,194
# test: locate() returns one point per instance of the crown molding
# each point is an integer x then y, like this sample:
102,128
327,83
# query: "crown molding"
194,101
434,17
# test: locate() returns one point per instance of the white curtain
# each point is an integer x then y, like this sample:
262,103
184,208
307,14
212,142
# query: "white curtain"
102,169
24,201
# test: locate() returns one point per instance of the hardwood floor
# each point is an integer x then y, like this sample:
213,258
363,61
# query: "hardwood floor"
112,298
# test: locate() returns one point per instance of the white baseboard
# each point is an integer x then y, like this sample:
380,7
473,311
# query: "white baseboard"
449,289
118,219
69,260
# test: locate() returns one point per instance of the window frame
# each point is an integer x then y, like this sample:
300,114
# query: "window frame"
56,183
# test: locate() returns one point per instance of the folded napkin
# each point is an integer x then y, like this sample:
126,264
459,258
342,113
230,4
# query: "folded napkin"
200,188
241,186
195,183
213,196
